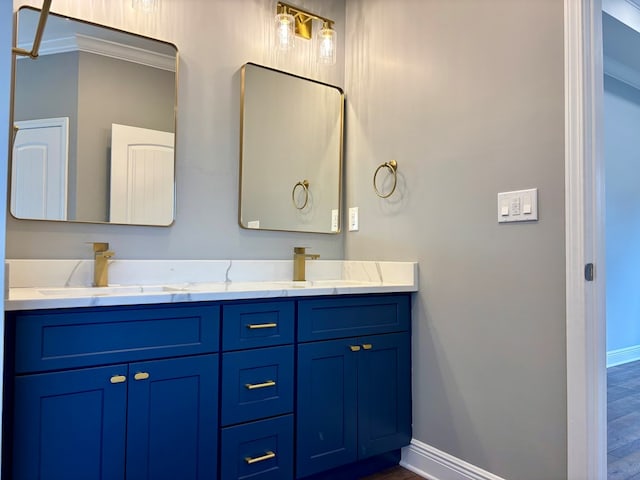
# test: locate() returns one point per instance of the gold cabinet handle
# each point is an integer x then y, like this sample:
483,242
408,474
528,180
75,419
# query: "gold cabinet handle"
141,376
367,346
354,348
253,386
257,326
118,379
267,456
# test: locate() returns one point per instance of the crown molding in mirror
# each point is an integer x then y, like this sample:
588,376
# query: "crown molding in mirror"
85,43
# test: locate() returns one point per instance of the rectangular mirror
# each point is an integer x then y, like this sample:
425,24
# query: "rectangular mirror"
290,152
95,120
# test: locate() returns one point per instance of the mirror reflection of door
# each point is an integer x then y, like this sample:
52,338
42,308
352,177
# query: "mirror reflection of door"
40,168
142,176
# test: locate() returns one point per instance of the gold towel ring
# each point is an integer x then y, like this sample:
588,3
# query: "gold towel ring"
392,166
305,187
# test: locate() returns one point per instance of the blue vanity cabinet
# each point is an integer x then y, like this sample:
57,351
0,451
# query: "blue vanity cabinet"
257,391
327,406
172,415
384,393
70,425
263,389
141,417
354,393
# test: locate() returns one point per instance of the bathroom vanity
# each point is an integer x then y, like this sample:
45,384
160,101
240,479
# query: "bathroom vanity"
198,384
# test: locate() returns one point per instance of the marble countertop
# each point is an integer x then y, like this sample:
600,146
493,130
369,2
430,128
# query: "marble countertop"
40,284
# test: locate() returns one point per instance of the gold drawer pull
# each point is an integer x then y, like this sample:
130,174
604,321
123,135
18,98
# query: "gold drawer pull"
253,386
354,348
256,326
141,376
267,456
367,346
118,379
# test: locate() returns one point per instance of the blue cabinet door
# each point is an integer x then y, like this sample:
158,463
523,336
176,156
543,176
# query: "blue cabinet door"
70,425
327,396
172,419
384,393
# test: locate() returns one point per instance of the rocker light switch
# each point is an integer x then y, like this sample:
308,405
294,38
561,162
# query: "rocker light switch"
353,219
518,206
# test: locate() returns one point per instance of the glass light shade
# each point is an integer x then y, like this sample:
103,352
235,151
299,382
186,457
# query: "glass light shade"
327,44
146,6
284,31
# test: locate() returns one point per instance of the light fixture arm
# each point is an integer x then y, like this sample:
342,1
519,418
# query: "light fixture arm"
44,13
303,19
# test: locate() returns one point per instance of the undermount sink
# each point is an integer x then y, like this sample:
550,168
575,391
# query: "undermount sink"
94,291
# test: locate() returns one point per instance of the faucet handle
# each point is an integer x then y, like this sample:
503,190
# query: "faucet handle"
299,250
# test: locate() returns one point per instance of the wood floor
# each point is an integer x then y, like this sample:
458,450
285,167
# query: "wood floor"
623,422
395,473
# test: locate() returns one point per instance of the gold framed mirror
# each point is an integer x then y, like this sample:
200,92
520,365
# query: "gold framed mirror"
291,138
96,118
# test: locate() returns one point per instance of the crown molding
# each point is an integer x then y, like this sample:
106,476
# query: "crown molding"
621,71
84,43
635,3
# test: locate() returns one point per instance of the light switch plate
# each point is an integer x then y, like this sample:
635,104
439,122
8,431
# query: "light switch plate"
334,220
354,223
518,206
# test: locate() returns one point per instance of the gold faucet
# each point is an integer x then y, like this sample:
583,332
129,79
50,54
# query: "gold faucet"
299,263
102,254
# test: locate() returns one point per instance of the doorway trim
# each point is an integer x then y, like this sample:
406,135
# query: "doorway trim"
584,242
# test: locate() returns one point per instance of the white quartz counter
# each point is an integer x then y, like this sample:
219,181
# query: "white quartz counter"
39,284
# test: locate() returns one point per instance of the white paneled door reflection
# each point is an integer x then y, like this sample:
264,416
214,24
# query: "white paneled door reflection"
39,169
142,176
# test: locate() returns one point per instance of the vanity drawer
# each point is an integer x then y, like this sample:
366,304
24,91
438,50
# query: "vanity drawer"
252,325
61,339
256,384
261,450
329,318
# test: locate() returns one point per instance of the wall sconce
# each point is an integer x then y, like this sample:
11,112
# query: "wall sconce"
291,21
146,6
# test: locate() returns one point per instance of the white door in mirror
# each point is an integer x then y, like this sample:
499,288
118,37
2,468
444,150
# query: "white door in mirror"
142,174
39,169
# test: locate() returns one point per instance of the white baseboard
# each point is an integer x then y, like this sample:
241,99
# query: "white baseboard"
433,464
623,355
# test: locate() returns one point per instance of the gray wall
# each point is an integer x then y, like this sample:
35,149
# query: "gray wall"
207,149
470,103
114,91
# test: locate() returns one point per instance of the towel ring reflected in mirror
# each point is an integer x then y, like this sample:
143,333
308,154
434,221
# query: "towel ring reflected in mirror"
304,184
392,166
